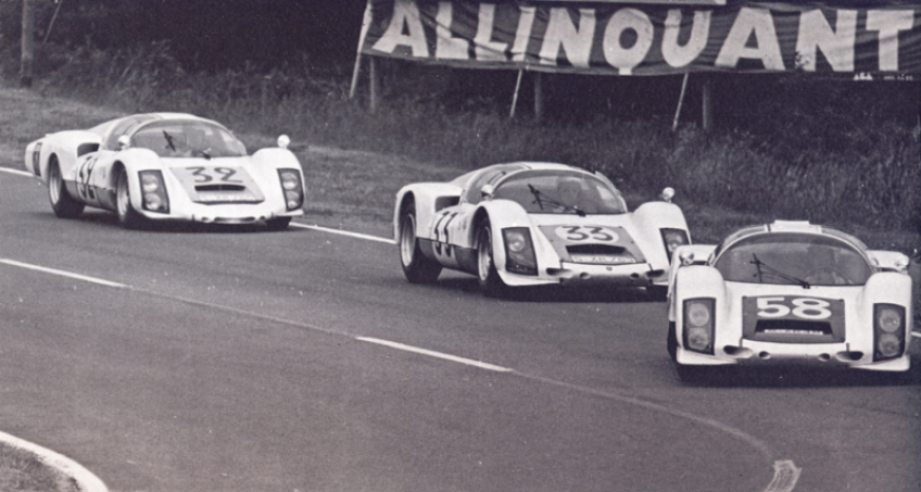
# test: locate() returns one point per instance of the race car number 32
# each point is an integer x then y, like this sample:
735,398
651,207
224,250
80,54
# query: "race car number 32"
586,233
203,175
800,307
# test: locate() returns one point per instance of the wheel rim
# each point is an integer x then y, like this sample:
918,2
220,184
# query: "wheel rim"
408,239
122,197
484,254
54,184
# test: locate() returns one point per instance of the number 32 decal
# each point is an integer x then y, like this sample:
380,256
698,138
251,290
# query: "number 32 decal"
205,175
800,307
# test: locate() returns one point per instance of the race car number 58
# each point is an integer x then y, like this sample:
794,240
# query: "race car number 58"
801,307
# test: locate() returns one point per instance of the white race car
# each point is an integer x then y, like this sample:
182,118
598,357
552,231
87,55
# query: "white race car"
789,293
529,223
167,166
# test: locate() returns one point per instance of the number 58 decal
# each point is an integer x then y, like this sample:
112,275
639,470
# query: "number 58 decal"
800,307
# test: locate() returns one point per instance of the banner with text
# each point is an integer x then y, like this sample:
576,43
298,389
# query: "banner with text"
882,41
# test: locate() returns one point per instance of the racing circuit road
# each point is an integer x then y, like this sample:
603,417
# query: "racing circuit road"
245,360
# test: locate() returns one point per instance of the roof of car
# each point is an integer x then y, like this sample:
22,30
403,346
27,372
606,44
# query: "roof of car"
788,226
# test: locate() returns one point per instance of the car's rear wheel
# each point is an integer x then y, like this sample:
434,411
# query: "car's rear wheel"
417,268
278,223
490,283
128,217
64,205
693,374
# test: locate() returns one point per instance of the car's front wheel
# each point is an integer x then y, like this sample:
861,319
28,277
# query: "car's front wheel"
64,205
128,217
657,293
490,283
672,341
417,268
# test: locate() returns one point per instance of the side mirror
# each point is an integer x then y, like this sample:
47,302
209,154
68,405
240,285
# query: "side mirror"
124,142
667,194
284,141
487,191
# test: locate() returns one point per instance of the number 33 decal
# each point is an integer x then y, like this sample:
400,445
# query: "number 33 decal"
801,307
585,233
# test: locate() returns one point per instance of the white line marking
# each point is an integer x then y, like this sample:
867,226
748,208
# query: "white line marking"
432,353
344,233
16,171
786,474
62,273
85,480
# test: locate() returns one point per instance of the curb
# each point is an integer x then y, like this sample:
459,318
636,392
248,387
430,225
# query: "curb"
84,480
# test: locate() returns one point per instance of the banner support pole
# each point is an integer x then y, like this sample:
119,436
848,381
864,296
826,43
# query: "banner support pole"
365,25
511,113
706,109
538,96
355,72
684,86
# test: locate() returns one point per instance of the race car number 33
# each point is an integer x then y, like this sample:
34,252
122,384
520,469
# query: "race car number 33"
795,307
586,233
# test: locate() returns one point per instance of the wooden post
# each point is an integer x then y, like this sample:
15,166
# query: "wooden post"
375,85
706,110
28,44
538,95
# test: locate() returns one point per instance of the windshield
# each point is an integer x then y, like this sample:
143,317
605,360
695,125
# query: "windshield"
561,192
804,259
489,175
188,139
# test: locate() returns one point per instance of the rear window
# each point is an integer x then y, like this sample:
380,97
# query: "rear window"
792,258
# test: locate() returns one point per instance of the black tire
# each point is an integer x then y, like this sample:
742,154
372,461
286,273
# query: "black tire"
128,217
278,223
657,293
490,283
417,268
672,342
64,205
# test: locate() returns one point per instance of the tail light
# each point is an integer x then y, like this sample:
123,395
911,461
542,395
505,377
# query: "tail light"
698,325
519,251
292,188
672,239
888,331
153,192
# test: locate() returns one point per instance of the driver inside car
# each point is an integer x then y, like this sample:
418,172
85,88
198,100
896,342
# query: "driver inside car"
571,197
823,268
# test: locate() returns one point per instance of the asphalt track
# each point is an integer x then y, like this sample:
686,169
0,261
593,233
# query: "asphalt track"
184,359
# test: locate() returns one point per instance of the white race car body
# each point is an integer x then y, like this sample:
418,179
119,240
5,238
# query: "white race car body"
790,293
175,167
552,243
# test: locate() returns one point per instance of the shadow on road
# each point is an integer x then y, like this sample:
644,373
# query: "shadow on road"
553,293
804,377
